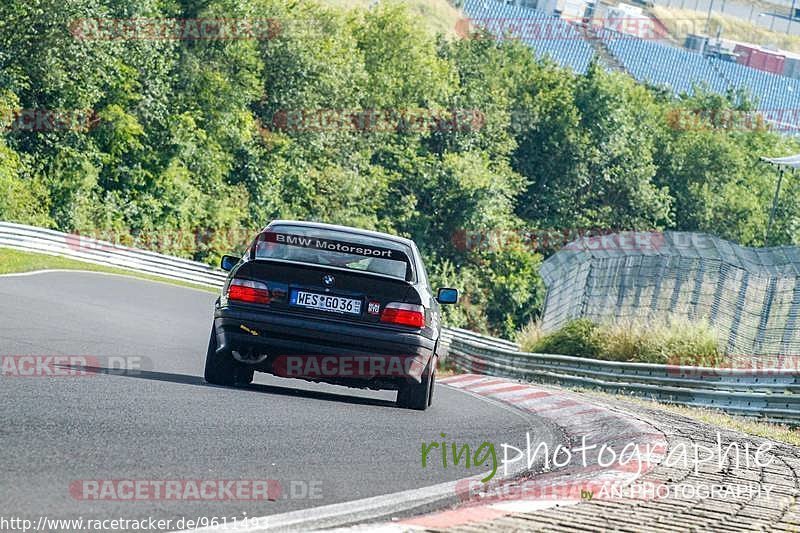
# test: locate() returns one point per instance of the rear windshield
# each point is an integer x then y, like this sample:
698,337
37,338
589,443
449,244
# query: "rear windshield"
341,249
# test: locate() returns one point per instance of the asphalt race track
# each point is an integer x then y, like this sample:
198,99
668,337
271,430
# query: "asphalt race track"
165,423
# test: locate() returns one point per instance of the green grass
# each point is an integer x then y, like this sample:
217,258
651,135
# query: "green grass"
659,340
15,261
438,15
679,22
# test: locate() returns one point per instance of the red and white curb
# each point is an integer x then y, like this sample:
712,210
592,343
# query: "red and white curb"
579,418
583,422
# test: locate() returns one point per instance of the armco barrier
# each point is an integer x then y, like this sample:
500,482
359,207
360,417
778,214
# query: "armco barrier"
33,239
773,394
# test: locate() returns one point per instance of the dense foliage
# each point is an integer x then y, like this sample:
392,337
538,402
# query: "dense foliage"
450,142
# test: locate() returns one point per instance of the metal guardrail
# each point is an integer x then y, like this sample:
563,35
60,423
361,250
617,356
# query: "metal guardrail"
33,239
449,333
773,394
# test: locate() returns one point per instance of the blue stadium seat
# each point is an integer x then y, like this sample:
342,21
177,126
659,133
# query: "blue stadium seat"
676,69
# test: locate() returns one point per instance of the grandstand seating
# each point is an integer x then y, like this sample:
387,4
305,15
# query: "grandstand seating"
677,69
547,35
674,68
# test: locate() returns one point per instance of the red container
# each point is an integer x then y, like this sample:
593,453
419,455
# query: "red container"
743,53
760,59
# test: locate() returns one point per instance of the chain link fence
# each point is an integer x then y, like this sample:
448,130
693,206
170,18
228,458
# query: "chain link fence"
751,296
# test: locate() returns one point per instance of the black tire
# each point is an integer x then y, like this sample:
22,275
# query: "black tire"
433,383
223,369
415,395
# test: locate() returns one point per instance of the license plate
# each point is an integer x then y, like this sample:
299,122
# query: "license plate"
326,302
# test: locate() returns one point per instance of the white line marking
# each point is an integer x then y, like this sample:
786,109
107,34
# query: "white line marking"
101,273
493,388
459,381
387,527
367,508
530,506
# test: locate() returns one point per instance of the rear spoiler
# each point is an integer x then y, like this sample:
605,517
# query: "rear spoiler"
321,243
350,271
332,245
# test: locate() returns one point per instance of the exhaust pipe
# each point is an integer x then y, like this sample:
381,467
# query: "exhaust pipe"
249,357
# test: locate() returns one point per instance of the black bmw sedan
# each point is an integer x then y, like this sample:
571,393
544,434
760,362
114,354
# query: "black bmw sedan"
329,303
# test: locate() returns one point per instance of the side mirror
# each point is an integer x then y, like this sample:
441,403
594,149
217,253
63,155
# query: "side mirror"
228,262
447,296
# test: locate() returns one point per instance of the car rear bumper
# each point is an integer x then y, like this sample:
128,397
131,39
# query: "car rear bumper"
319,349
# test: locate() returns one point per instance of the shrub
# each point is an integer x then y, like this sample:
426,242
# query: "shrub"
662,340
631,340
578,337
529,335
665,340
689,342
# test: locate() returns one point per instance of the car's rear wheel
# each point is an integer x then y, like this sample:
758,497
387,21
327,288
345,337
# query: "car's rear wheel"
415,395
433,382
223,369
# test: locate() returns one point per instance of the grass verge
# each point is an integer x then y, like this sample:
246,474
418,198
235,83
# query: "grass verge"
714,417
660,340
769,430
438,15
680,22
16,261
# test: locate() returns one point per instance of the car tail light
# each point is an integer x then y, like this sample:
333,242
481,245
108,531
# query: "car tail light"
245,290
404,314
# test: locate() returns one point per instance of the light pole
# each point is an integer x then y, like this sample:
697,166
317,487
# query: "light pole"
782,164
791,18
772,20
774,205
708,18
